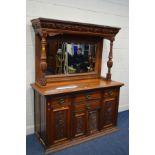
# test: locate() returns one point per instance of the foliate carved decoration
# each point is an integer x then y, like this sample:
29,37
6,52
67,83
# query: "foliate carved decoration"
60,119
73,26
80,125
110,62
77,28
43,81
43,58
108,112
93,120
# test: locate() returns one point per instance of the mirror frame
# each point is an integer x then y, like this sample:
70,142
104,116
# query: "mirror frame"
78,76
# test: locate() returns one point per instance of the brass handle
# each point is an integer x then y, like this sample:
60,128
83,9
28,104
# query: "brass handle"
88,106
111,92
61,100
88,97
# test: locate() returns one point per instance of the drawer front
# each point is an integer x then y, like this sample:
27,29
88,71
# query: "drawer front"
86,105
87,96
109,93
60,101
79,106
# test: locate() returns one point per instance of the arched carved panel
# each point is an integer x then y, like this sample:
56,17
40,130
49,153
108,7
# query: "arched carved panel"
61,124
80,124
93,120
109,112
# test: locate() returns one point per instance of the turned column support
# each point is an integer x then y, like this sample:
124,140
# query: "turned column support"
110,62
43,63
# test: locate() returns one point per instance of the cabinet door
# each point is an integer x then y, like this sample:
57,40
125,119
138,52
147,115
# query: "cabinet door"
93,120
79,123
93,109
60,124
109,112
86,117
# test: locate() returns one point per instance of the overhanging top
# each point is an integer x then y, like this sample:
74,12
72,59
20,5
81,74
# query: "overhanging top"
81,85
54,27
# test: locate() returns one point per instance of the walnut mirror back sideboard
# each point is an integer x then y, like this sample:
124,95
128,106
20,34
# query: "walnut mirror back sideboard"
72,102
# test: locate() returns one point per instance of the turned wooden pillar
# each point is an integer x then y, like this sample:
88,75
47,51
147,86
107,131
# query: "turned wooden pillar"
110,62
43,63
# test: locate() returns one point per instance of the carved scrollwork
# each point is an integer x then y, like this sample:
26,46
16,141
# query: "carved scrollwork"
43,81
108,112
80,124
93,120
72,26
60,118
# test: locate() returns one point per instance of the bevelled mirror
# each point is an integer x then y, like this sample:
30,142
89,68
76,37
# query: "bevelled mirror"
71,58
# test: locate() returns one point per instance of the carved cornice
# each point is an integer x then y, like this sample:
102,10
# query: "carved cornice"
58,26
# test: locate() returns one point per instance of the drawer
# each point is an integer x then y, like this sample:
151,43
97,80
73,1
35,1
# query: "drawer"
87,105
110,93
79,106
60,101
87,96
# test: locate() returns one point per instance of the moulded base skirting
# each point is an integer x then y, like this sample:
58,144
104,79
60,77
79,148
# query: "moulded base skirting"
80,140
30,129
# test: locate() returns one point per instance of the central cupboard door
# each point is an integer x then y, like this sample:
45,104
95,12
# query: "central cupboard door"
93,111
80,125
93,120
86,117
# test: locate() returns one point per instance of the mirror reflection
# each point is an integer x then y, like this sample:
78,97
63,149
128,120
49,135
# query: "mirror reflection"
73,58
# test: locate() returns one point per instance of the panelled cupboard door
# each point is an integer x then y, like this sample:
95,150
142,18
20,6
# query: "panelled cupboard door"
86,117
86,122
109,112
79,124
93,111
93,120
60,124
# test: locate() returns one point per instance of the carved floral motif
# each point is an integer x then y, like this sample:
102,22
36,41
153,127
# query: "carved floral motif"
60,118
93,120
80,124
108,112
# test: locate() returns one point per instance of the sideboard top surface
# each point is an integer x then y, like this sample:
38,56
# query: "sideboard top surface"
74,86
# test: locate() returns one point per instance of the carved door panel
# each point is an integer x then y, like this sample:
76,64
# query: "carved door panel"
60,124
93,113
86,117
80,124
109,112
93,120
